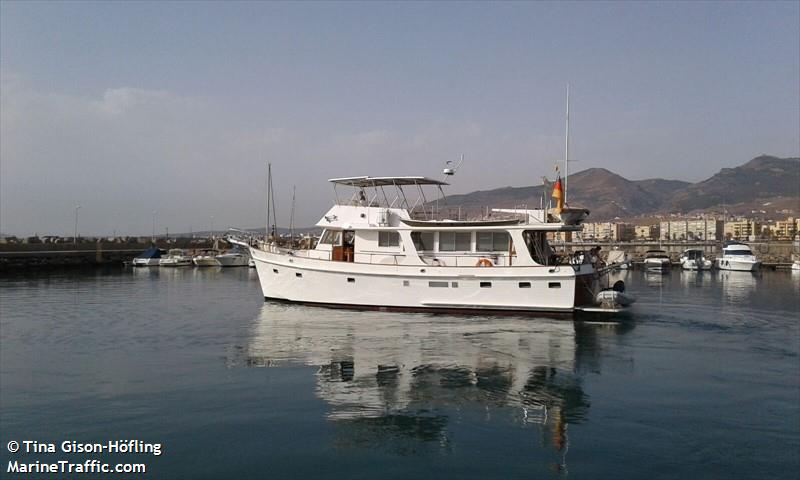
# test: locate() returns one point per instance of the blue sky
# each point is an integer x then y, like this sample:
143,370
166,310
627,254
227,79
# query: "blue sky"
126,108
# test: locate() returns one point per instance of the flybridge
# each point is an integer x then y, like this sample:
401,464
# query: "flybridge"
396,197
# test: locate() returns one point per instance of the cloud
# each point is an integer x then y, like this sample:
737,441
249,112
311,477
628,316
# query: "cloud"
129,151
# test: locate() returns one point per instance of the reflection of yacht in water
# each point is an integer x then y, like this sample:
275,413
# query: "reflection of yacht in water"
737,286
410,371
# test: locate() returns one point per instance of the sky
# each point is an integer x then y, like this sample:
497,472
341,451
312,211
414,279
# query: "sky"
131,108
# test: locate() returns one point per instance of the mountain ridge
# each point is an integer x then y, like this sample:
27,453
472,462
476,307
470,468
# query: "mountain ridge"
761,180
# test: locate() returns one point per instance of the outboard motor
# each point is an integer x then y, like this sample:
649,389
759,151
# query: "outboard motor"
619,286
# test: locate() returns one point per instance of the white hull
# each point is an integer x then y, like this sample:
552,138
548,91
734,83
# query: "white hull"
405,287
205,262
175,262
796,266
145,262
232,260
738,265
696,265
657,265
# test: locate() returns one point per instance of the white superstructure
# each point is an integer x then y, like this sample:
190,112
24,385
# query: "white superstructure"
657,261
737,256
695,259
176,258
380,250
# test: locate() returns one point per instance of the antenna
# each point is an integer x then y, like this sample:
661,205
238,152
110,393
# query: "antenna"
450,170
291,220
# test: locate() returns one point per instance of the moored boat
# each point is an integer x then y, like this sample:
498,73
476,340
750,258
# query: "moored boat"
148,258
695,259
206,259
176,257
234,258
738,257
657,261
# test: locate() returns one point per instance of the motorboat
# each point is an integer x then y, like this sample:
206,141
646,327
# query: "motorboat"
657,261
738,257
176,257
206,259
148,258
618,259
695,259
234,258
381,249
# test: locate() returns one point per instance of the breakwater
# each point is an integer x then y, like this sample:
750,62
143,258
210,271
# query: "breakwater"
82,254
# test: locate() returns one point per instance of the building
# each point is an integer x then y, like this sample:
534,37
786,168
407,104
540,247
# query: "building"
742,229
608,231
784,229
700,229
646,232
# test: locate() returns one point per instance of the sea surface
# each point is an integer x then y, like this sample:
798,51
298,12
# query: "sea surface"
701,381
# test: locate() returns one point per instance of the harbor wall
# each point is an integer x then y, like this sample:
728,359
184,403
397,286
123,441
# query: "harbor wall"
24,256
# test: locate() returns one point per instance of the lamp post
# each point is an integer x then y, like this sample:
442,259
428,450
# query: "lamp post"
75,236
153,235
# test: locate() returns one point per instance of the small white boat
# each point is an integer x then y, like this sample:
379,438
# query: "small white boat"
148,258
737,257
234,258
206,259
796,266
695,259
618,259
614,297
657,261
176,258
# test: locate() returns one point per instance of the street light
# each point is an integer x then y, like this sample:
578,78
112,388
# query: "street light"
153,236
75,236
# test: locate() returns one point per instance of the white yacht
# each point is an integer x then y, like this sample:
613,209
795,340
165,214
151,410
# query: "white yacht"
148,258
657,261
233,258
737,256
380,251
206,259
176,258
695,259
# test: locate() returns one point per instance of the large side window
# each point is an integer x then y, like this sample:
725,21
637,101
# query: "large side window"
332,237
388,239
492,241
423,241
455,241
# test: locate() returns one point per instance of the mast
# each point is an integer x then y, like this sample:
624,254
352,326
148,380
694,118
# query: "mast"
269,191
291,220
566,150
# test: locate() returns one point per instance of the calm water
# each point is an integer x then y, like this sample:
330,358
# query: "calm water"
703,382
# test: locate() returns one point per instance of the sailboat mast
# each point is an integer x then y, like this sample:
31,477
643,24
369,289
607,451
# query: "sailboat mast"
566,150
269,192
291,220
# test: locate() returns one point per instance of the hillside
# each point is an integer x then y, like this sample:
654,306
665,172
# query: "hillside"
762,180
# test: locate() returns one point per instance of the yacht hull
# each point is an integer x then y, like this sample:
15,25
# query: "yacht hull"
424,288
738,265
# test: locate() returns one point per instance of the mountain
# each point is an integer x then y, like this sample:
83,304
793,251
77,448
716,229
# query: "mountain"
763,177
609,195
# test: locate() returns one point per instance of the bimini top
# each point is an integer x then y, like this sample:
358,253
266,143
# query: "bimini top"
385,181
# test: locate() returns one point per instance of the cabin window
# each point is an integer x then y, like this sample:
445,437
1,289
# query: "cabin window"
351,280
423,241
492,241
274,270
538,247
454,284
388,239
554,285
455,241
438,284
298,275
524,284
486,284
331,237
406,283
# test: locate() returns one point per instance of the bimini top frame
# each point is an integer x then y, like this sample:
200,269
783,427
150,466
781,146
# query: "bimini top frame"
400,199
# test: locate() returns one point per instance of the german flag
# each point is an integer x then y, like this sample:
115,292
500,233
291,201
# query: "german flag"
558,194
